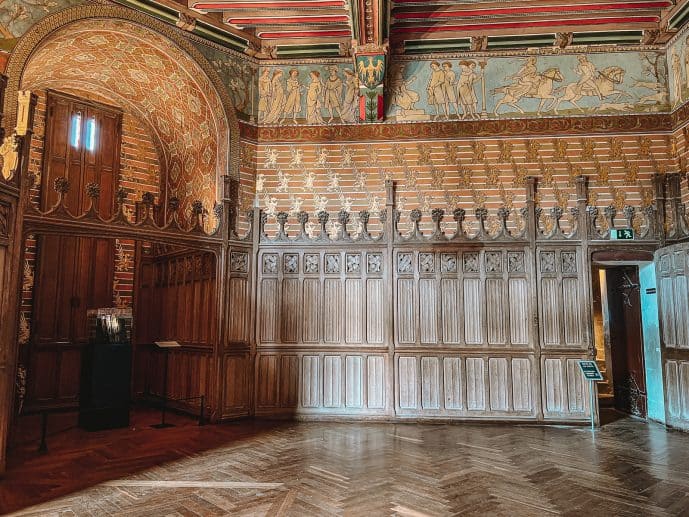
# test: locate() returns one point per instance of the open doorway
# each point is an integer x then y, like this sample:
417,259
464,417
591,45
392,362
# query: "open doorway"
627,338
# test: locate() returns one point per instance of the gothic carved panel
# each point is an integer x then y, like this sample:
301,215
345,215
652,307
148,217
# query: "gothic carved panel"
493,262
239,262
471,262
332,263
353,263
270,264
515,262
448,263
311,263
569,262
290,263
374,263
4,219
426,262
405,263
547,262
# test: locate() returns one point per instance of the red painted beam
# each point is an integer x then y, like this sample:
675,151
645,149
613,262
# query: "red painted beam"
525,24
305,34
316,4
515,11
286,20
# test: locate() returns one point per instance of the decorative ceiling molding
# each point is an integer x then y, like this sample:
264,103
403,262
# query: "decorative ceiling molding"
608,125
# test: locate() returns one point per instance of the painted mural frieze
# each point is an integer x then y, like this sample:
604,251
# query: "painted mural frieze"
503,87
471,87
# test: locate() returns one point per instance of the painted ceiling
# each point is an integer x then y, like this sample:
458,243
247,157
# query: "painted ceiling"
320,28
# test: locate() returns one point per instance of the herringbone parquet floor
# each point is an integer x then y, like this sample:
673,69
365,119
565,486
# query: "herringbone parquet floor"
252,468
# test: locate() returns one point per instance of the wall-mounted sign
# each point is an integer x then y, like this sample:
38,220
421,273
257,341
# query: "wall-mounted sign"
622,234
590,370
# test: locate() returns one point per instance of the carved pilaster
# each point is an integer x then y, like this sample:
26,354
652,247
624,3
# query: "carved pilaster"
659,202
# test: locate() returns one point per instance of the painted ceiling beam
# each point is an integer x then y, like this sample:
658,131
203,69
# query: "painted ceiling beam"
288,20
262,5
206,25
618,22
424,13
307,34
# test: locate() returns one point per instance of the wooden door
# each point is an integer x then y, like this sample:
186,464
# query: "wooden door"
73,274
672,270
626,341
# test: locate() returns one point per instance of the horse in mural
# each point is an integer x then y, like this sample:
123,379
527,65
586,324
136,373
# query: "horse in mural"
606,81
540,89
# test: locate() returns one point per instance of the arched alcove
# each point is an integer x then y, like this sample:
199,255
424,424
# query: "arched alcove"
148,69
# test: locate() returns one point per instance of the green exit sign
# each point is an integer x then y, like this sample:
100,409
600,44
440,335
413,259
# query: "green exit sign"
622,234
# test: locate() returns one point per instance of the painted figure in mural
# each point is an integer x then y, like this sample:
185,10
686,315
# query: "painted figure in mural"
350,104
313,99
277,99
333,94
264,94
587,73
685,51
450,88
465,88
526,79
402,95
435,89
530,84
677,74
605,82
293,102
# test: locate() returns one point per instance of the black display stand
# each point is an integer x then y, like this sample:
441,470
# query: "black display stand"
165,347
106,371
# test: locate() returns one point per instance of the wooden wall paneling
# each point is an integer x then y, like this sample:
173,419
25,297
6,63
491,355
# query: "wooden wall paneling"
236,352
565,393
11,258
465,385
323,297
236,383
672,271
320,383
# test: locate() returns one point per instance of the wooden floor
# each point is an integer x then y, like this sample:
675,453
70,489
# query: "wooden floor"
256,468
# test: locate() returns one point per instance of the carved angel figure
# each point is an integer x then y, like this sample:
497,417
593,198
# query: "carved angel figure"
9,152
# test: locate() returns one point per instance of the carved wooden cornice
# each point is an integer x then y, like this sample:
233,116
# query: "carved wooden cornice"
660,123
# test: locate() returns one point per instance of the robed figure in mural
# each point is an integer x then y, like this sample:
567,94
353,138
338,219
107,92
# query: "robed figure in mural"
677,75
436,89
350,104
264,94
450,88
685,52
293,101
277,99
313,99
333,94
466,90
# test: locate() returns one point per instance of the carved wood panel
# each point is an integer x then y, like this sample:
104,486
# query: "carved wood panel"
672,269
465,385
562,291
471,297
321,297
321,382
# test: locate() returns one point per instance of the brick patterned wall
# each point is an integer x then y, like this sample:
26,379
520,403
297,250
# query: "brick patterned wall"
140,171
466,173
247,183
680,150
